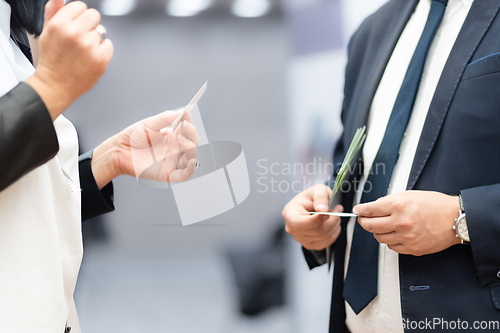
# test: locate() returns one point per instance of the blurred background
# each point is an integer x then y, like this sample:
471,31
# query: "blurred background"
275,72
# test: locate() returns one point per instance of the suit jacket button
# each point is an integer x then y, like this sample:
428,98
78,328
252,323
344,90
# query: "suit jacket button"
498,274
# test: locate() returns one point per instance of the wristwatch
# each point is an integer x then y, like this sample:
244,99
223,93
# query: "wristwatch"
460,226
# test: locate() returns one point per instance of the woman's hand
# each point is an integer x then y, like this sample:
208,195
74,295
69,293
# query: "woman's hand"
72,56
149,149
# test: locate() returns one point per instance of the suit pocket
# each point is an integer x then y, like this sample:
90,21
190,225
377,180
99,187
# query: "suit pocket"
495,296
483,66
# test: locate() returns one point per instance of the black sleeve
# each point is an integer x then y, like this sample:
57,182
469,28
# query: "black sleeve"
314,258
95,202
482,210
27,135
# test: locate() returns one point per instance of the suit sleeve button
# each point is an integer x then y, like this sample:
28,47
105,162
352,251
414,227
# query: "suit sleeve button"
498,274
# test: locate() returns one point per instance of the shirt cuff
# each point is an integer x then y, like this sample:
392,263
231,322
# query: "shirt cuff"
95,202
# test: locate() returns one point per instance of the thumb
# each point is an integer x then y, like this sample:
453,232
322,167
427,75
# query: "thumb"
320,198
51,8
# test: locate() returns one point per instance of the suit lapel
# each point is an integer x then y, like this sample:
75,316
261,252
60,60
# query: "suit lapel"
481,15
358,115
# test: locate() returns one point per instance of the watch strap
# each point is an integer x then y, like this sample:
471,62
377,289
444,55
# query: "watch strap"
462,211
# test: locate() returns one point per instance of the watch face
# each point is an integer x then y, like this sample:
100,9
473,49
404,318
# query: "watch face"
463,231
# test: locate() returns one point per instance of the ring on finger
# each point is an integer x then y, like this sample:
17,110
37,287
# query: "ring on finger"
102,31
180,162
182,165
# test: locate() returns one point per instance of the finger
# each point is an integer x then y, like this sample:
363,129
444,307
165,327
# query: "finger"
399,248
311,224
187,116
191,166
321,195
300,204
161,120
390,238
317,229
181,175
188,154
89,20
191,154
188,147
70,11
106,49
299,221
324,228
189,131
51,8
318,244
380,225
310,239
376,208
338,209
93,38
184,159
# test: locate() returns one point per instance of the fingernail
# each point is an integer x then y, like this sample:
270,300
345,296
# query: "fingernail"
355,210
321,207
187,125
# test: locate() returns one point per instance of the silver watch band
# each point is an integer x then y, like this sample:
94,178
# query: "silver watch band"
461,203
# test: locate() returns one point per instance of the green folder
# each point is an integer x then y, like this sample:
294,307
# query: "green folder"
352,152
335,199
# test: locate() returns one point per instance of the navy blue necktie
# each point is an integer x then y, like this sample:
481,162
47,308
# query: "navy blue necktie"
360,286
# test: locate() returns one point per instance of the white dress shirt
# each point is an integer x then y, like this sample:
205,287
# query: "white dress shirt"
40,222
383,314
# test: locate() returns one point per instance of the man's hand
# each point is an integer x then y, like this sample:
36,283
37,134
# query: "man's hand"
144,150
412,222
314,232
72,55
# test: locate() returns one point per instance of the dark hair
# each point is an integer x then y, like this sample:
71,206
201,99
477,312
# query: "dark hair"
27,15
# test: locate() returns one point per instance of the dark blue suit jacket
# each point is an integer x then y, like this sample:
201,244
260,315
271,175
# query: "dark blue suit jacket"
458,152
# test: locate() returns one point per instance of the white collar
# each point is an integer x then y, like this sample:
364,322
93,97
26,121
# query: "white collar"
467,3
14,66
